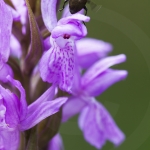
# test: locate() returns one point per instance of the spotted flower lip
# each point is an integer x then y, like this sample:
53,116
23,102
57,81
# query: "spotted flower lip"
16,116
95,122
57,64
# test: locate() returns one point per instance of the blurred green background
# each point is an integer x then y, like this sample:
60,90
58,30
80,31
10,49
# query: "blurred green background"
125,24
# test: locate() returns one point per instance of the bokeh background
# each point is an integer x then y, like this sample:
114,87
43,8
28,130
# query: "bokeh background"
125,24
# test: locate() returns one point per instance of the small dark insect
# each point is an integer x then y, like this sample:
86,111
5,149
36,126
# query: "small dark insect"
75,6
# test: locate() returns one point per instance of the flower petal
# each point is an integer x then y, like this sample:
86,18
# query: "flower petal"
104,81
5,30
98,126
57,64
100,66
4,72
91,50
73,18
44,110
9,140
48,8
11,102
56,143
73,106
23,103
46,96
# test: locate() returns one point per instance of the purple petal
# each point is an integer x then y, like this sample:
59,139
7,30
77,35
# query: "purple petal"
5,27
100,66
48,8
57,64
4,72
9,140
104,81
44,110
11,102
91,50
15,47
73,18
46,96
73,106
56,143
22,103
98,126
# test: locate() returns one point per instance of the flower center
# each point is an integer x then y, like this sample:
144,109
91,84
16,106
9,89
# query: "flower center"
66,36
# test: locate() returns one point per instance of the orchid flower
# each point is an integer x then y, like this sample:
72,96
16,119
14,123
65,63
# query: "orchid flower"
95,122
16,116
57,63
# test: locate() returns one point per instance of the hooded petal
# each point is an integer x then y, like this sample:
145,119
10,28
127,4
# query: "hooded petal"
98,126
70,29
56,143
9,140
44,110
5,30
48,8
73,106
73,18
22,102
57,64
91,50
104,81
100,66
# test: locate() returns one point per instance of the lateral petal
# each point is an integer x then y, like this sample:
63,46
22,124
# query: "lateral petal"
44,110
91,50
104,81
48,8
100,66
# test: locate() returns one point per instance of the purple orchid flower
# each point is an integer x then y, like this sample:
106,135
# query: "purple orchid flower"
16,116
5,33
56,143
57,63
95,122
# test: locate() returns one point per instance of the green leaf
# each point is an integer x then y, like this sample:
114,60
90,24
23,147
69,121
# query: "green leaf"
36,46
48,128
